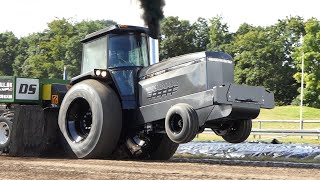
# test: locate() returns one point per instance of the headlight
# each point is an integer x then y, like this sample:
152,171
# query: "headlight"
104,73
98,72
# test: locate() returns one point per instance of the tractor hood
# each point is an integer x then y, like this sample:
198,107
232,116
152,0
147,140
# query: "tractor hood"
181,61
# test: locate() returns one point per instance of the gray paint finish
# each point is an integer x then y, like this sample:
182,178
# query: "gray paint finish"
233,93
172,62
159,110
219,73
177,83
203,80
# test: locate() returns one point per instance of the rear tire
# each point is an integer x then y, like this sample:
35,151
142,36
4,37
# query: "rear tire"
90,119
162,148
5,131
158,147
238,132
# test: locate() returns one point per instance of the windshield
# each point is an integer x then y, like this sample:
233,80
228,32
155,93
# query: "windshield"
128,50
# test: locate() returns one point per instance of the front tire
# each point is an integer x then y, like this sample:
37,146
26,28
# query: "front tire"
181,123
90,119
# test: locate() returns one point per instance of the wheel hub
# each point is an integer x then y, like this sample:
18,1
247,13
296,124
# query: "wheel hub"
4,132
176,124
79,120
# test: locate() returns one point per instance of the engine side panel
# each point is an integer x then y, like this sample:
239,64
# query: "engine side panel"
173,84
202,102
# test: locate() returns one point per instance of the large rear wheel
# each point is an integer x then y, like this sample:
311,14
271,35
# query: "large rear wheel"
5,131
237,132
90,119
156,147
162,148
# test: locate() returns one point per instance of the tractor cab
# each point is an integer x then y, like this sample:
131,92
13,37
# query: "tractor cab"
116,47
118,53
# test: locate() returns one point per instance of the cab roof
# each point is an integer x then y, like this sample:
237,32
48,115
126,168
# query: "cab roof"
114,29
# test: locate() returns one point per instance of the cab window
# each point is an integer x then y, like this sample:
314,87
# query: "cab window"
130,49
94,55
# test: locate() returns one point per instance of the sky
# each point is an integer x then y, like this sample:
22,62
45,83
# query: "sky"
27,16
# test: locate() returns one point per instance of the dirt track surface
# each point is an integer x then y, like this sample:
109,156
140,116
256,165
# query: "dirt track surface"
33,168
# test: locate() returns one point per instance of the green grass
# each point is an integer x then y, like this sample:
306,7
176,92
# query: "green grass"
287,113
288,139
290,113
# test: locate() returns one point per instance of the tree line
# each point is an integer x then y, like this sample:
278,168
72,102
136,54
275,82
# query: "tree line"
267,56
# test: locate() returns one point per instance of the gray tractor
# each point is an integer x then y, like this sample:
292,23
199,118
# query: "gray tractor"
124,104
120,98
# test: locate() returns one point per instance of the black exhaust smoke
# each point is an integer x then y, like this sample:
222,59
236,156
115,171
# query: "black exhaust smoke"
152,15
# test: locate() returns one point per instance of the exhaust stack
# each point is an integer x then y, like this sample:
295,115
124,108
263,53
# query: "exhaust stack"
152,14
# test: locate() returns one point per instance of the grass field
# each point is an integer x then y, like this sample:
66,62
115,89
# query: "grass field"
290,113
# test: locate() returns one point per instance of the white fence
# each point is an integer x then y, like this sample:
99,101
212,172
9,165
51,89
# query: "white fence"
286,132
281,132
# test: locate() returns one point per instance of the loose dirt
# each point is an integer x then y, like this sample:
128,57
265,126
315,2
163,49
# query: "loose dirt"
35,168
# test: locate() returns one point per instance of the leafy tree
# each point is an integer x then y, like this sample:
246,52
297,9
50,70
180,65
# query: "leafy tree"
311,49
201,36
29,47
220,37
263,57
177,37
47,53
8,50
244,28
21,56
44,54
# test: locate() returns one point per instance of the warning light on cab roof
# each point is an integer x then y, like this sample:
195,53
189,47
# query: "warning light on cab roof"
123,26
